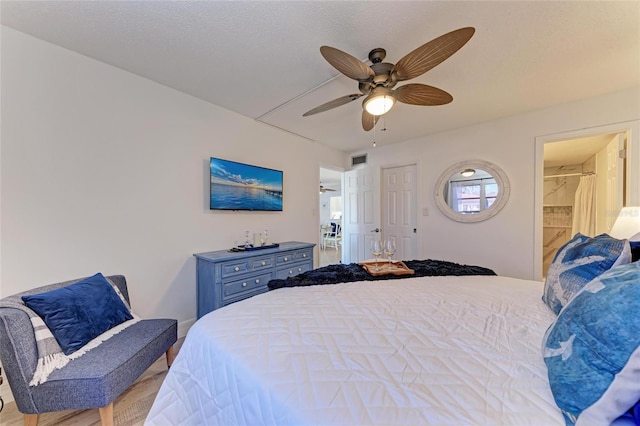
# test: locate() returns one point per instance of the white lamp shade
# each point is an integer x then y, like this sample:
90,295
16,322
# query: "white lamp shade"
627,225
379,101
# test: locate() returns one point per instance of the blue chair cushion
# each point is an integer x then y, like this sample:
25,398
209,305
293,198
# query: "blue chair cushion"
579,261
592,350
80,312
99,376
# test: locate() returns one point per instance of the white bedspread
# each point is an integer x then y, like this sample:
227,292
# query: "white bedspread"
417,351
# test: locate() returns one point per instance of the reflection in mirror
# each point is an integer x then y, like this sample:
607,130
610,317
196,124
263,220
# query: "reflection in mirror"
472,191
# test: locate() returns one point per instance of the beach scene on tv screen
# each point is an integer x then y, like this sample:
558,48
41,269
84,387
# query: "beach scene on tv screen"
238,186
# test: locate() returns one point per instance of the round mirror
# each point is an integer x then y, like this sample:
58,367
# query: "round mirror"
472,191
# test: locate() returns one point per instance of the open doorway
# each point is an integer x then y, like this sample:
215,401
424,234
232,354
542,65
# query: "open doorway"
583,189
330,217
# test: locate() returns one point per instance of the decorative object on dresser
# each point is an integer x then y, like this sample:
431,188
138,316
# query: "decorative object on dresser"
225,277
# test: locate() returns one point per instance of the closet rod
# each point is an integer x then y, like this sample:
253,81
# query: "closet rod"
569,174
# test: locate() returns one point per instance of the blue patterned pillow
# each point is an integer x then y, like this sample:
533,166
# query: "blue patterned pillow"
79,312
579,261
592,351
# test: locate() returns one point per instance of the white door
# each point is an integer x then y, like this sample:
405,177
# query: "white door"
361,213
399,214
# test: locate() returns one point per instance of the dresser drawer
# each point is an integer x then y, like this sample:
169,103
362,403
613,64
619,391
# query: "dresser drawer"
304,254
293,270
262,263
233,288
230,269
288,257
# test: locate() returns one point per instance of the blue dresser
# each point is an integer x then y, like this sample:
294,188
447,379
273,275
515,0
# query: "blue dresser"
225,277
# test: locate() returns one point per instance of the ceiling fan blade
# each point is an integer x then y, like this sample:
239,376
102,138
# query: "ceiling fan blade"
368,120
348,65
332,104
432,53
421,94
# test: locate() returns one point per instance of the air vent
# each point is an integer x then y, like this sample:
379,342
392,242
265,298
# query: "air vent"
359,159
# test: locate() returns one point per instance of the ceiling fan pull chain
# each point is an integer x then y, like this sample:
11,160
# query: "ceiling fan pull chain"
374,134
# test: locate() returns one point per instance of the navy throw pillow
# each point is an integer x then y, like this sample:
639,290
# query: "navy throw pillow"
635,251
80,312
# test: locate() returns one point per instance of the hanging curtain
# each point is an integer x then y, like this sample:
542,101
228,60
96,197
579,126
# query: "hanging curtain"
584,207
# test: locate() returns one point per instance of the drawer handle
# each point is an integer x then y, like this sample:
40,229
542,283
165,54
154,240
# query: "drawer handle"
304,255
290,272
299,269
237,268
286,259
264,263
244,284
257,280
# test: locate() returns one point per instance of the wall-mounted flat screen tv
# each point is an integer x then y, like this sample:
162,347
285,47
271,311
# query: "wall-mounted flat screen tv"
238,186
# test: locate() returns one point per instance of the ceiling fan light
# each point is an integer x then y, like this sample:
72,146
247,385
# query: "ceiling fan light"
379,102
468,172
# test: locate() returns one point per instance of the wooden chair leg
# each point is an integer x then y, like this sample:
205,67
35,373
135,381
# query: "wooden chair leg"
31,419
106,415
170,356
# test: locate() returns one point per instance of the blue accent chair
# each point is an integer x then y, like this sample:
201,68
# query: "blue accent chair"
93,380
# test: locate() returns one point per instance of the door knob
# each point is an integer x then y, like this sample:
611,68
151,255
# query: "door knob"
375,230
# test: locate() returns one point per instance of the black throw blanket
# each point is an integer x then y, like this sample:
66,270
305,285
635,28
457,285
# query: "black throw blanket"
340,273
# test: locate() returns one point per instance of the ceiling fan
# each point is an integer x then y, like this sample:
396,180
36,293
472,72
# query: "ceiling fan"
377,81
323,189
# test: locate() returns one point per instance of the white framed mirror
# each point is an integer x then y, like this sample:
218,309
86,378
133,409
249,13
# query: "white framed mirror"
472,191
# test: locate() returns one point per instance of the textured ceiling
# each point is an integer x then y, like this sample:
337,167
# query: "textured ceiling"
262,59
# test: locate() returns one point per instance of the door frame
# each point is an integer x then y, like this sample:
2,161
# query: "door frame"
337,169
632,180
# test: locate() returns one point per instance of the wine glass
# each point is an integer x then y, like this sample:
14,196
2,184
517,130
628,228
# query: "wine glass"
389,250
376,251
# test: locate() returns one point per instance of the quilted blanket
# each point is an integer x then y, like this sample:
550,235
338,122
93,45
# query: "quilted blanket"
353,272
421,351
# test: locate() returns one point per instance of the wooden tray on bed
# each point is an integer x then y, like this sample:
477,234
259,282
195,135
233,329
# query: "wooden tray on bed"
397,267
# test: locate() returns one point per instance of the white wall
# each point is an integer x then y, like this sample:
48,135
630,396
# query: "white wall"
103,170
505,242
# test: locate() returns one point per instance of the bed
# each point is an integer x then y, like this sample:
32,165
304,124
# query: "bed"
426,350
